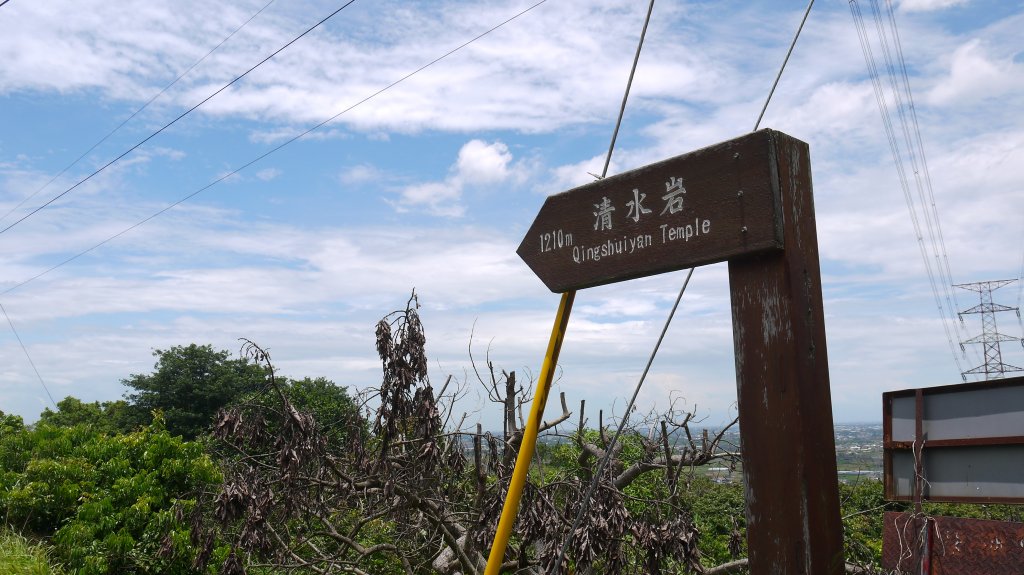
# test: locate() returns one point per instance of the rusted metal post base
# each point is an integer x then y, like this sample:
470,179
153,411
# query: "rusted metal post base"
785,409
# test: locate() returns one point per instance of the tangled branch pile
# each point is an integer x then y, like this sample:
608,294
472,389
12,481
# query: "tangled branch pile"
396,487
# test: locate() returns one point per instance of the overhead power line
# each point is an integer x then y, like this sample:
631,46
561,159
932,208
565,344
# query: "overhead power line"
272,150
1020,292
183,114
25,350
915,147
4,2
938,241
1020,279
930,241
136,112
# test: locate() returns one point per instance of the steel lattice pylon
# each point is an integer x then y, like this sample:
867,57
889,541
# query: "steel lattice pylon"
990,338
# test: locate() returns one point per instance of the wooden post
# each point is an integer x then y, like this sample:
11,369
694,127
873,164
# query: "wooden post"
748,201
785,409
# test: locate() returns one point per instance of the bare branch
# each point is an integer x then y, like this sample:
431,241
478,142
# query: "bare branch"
740,566
566,414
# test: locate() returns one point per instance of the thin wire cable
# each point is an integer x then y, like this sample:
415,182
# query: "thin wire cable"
1020,291
1020,279
625,96
622,425
955,305
4,2
914,149
601,465
894,147
136,112
25,350
922,176
272,150
789,52
183,114
668,321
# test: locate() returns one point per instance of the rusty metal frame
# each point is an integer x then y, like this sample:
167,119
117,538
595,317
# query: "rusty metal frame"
892,447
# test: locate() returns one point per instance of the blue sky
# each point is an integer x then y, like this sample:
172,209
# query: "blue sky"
432,184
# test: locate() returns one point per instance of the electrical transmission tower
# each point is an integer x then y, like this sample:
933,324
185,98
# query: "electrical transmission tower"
993,368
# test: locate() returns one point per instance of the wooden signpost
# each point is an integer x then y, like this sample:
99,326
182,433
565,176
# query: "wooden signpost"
747,201
699,208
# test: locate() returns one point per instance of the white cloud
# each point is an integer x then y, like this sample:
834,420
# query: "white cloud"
584,172
930,5
361,174
229,176
478,163
437,198
532,106
535,75
280,135
169,153
483,163
138,40
975,75
268,174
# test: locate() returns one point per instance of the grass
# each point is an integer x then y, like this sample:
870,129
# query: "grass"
19,556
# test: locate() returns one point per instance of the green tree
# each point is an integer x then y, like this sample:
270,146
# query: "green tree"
10,423
190,384
109,416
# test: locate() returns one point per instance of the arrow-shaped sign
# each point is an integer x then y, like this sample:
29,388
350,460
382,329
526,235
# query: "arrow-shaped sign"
706,206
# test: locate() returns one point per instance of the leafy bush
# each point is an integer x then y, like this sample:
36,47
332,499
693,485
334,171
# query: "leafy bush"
112,503
719,512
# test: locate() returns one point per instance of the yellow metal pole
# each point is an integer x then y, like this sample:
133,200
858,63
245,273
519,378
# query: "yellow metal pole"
515,486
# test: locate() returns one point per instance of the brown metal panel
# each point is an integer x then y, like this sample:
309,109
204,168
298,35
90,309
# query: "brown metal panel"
785,409
887,480
973,441
959,546
886,420
952,499
971,474
698,208
957,387
936,453
919,447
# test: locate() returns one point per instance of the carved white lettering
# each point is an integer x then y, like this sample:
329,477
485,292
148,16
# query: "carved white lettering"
625,245
554,240
685,232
